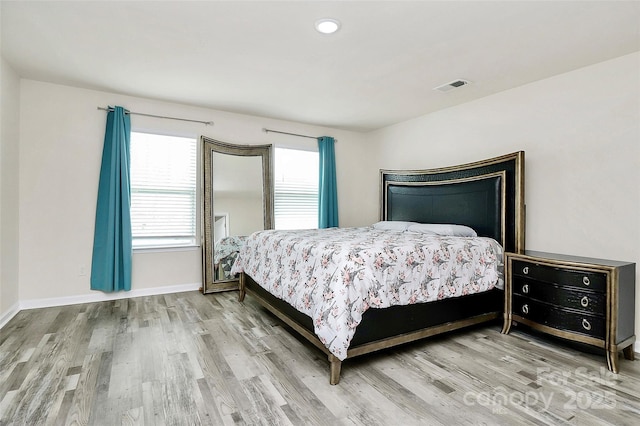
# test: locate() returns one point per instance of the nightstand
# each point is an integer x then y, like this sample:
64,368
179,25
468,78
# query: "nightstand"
585,300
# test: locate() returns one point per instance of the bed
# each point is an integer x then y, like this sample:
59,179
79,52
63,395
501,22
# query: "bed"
486,196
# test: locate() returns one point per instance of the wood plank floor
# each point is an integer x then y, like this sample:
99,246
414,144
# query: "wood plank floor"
191,359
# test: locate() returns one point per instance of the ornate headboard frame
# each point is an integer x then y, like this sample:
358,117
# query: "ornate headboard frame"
486,195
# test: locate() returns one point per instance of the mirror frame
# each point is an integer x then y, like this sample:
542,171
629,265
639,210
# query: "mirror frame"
209,146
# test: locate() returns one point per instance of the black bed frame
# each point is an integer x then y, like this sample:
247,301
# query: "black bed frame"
486,195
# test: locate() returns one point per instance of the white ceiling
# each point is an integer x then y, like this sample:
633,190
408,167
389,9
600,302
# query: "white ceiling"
265,58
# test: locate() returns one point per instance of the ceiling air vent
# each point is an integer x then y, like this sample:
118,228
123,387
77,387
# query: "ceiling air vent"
451,85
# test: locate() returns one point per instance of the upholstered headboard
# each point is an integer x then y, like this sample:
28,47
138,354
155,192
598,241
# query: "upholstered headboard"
486,195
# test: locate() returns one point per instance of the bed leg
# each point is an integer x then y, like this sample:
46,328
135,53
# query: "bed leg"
241,288
335,369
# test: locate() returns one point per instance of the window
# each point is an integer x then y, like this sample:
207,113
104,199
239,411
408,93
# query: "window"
296,189
163,190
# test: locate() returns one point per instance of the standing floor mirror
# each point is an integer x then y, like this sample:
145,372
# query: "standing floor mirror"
237,201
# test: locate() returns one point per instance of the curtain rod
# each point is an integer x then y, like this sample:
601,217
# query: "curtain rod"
292,134
206,123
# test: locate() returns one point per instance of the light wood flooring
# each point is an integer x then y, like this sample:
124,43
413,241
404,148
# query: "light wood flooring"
191,359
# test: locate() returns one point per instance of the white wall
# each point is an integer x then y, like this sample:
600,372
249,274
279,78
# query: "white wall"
9,157
61,141
245,212
581,135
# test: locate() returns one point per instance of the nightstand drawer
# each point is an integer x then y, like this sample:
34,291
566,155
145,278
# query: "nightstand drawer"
558,318
566,297
584,280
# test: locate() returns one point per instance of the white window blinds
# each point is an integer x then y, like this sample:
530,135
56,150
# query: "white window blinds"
163,190
296,189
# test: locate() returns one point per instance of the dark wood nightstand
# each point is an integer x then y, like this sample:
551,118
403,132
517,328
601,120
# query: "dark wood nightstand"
585,300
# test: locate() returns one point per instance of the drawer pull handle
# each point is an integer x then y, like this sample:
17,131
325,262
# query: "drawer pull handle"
525,289
586,324
525,309
584,301
525,270
586,280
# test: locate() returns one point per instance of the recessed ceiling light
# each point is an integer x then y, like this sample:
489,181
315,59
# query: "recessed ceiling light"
327,25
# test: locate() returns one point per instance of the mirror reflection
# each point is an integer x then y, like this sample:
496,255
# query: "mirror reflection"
237,201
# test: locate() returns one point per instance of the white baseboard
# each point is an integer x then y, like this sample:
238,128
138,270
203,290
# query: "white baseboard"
99,296
6,317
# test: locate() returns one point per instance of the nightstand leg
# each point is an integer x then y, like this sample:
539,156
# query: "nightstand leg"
506,327
629,353
612,361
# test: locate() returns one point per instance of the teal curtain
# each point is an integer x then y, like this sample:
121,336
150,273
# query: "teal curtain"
327,188
112,251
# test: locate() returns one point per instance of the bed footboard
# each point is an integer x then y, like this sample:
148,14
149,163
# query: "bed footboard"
434,318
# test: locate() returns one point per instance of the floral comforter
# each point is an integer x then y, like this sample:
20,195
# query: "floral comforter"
335,275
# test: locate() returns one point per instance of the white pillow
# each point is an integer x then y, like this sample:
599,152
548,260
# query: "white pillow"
393,225
443,229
